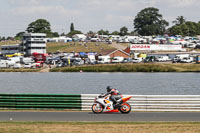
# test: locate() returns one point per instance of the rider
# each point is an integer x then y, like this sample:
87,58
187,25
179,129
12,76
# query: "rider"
116,96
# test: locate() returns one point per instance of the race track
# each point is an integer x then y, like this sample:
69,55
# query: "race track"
89,116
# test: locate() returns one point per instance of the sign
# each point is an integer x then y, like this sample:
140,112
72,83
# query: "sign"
149,47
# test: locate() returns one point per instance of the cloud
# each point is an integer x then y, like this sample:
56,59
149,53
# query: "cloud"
43,10
182,3
89,14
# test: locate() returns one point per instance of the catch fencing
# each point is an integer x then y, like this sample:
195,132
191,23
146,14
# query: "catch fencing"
154,102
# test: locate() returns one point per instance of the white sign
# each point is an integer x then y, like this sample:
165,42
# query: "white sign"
148,47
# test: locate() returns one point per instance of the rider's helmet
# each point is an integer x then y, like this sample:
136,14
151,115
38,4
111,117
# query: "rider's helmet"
108,88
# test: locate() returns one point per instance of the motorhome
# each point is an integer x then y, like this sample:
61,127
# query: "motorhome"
117,59
103,59
4,64
92,59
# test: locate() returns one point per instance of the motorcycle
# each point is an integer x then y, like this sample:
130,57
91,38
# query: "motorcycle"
104,104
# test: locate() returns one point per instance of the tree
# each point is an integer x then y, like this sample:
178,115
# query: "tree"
180,20
54,34
149,22
90,32
72,27
39,26
102,32
186,29
193,28
176,30
19,36
115,33
123,31
70,34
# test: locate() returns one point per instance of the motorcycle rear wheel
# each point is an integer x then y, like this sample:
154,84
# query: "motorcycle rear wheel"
97,109
125,108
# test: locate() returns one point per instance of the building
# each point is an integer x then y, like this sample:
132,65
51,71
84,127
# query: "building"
10,49
60,39
115,53
33,42
79,37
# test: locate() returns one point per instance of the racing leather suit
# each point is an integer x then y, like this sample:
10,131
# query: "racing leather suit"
115,95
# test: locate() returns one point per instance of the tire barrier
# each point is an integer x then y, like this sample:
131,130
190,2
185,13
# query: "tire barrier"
40,101
153,102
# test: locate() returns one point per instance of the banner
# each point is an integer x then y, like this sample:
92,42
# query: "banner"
148,47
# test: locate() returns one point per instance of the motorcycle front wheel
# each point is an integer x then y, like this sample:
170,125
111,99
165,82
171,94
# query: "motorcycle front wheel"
97,108
125,108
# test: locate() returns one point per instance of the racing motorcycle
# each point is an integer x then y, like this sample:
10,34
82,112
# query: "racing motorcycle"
104,104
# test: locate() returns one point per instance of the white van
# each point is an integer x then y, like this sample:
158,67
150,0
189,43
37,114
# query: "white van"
178,58
103,59
27,60
117,59
163,58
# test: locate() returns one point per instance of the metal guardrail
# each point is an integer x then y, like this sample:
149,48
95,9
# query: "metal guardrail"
85,101
154,102
40,101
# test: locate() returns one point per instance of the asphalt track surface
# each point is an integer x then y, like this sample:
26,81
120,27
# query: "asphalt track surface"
89,116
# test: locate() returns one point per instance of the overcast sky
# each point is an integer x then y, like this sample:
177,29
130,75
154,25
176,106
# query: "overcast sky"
88,14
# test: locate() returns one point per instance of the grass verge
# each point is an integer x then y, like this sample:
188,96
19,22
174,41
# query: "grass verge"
20,70
140,67
99,127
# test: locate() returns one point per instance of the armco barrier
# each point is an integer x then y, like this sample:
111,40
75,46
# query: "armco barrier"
85,101
40,101
154,102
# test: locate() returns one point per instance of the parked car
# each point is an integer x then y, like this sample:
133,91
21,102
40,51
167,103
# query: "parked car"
127,60
77,61
103,59
117,59
137,60
17,66
27,65
150,59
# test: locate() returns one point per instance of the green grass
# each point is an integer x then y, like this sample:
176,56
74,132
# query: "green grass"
19,70
77,47
140,67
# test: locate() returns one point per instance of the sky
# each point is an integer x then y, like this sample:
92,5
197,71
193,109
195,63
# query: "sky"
94,15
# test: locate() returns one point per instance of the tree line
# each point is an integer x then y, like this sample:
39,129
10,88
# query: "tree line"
147,22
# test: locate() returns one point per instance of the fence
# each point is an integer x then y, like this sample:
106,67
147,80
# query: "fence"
85,101
154,102
40,101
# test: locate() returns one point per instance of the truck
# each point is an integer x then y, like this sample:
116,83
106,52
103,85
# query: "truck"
117,59
39,57
163,59
178,58
103,59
